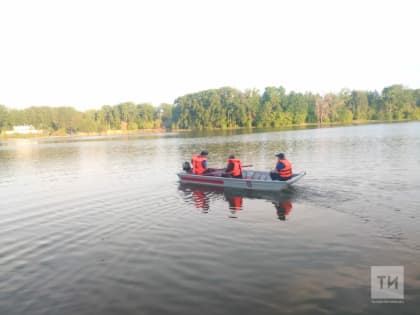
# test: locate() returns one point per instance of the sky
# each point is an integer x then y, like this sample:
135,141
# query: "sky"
89,53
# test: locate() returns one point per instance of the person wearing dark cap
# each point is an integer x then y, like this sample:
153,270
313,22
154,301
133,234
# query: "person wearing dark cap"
199,163
234,168
283,170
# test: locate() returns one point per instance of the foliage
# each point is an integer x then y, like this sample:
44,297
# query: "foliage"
225,108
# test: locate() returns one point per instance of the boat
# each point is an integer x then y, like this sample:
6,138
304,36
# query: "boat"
252,180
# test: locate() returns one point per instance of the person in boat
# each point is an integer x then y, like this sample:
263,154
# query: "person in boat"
234,168
283,170
199,164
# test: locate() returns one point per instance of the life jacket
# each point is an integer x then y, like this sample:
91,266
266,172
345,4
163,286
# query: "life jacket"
197,163
237,167
286,171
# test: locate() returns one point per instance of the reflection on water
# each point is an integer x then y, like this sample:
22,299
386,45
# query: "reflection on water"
202,196
100,225
284,207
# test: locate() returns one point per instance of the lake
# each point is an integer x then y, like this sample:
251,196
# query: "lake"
101,225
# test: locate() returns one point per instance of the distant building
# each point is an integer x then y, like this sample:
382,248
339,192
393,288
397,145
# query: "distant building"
23,130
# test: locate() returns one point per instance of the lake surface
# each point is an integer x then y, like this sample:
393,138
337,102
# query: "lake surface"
101,225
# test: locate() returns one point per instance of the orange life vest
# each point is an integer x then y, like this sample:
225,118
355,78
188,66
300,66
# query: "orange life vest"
197,163
286,171
237,167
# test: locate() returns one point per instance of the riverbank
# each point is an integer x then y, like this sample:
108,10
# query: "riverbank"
82,134
163,130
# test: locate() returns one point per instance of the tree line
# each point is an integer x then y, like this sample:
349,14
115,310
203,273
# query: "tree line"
225,108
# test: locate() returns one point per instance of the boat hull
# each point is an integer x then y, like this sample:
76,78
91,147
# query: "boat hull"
253,180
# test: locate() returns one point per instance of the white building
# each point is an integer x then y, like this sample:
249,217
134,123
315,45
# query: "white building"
23,130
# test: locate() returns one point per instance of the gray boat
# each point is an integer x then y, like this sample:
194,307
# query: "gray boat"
252,180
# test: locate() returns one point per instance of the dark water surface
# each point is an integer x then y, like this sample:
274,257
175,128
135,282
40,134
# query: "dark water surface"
100,225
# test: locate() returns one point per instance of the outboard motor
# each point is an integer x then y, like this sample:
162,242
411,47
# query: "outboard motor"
186,166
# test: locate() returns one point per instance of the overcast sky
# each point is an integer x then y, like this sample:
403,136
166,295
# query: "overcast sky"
89,53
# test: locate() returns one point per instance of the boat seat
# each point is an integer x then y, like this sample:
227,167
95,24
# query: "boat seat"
259,176
256,175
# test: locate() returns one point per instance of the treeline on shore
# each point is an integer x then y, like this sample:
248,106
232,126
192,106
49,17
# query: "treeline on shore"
225,108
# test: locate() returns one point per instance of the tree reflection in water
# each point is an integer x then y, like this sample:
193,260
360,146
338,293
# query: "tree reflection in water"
202,196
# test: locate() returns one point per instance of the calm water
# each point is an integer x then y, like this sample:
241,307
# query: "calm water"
101,225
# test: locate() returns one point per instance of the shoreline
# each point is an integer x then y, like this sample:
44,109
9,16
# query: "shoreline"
164,130
85,134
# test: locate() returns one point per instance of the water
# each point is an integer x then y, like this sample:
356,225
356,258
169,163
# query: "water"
101,225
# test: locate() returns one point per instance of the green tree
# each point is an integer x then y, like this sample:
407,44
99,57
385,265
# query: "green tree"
146,116
165,115
360,105
3,118
297,106
398,102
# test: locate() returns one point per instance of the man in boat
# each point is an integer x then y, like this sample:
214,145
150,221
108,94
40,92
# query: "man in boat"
234,168
283,170
199,163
